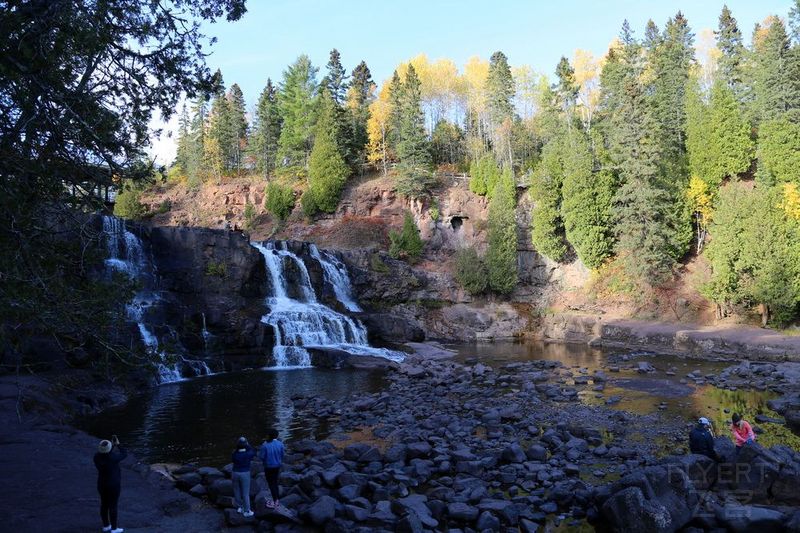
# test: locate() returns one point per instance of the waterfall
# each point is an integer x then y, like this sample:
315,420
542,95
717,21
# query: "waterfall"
126,255
304,322
336,274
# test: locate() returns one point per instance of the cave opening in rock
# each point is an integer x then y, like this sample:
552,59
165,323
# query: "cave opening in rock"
456,223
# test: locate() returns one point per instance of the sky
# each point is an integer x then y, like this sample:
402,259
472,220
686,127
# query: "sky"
384,33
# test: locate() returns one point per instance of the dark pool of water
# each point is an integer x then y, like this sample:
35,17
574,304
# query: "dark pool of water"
200,419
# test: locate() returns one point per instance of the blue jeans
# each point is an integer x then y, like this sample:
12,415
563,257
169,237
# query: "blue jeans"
241,490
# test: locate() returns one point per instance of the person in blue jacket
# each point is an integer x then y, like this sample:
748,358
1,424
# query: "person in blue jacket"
241,457
271,454
109,481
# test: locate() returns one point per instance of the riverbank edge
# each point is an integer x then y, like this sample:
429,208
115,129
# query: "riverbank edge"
703,342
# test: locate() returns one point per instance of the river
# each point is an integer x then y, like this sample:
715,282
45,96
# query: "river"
198,420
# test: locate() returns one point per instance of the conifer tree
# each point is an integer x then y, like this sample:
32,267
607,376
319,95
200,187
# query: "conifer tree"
500,93
221,133
501,255
586,207
336,79
238,125
266,129
413,149
360,95
773,70
197,139
396,98
729,42
296,100
183,152
547,227
327,172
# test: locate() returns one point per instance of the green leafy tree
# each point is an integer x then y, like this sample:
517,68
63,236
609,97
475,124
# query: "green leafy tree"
128,204
501,255
296,103
266,130
471,272
447,143
586,207
406,244
413,150
327,172
279,200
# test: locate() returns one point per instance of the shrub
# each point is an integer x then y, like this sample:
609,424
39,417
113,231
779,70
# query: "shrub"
216,268
471,271
128,205
279,200
164,207
407,243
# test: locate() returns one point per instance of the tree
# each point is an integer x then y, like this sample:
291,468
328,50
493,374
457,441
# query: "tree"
447,143
413,150
671,62
547,227
500,94
773,74
327,172
396,99
360,96
652,223
729,42
266,129
406,244
501,255
336,79
700,198
80,83
484,175
237,122
279,200
779,149
222,135
378,129
586,205
296,105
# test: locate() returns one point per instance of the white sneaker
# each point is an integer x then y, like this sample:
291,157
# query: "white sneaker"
239,510
248,514
118,530
106,529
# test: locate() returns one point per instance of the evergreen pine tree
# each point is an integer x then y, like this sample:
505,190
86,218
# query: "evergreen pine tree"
547,227
359,97
566,88
183,152
773,69
395,112
266,130
197,134
221,133
238,126
336,79
296,100
501,255
729,42
327,172
500,94
413,150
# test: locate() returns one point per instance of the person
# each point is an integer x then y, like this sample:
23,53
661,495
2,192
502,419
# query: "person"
109,481
701,441
271,455
242,456
742,432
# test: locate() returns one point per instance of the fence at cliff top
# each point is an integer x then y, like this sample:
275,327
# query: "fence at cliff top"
126,254
297,317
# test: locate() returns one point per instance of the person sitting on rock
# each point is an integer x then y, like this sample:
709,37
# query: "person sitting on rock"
109,481
242,456
701,441
271,454
742,432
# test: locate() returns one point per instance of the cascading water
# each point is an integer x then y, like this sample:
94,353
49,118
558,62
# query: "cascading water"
300,321
336,274
126,255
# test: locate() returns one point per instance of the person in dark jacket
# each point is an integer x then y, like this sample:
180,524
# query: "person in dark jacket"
271,455
242,456
109,481
701,441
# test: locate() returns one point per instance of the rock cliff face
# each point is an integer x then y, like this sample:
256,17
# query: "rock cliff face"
212,278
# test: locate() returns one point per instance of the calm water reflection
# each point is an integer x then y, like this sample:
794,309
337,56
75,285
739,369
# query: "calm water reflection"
200,419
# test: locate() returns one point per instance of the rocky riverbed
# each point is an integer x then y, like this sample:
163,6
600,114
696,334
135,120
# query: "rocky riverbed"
454,446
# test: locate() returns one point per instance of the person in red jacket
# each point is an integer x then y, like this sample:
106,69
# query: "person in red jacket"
742,432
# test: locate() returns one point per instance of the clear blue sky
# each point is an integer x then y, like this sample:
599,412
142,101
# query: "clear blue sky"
385,32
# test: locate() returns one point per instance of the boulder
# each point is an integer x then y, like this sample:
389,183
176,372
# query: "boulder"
745,518
321,511
462,512
416,504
